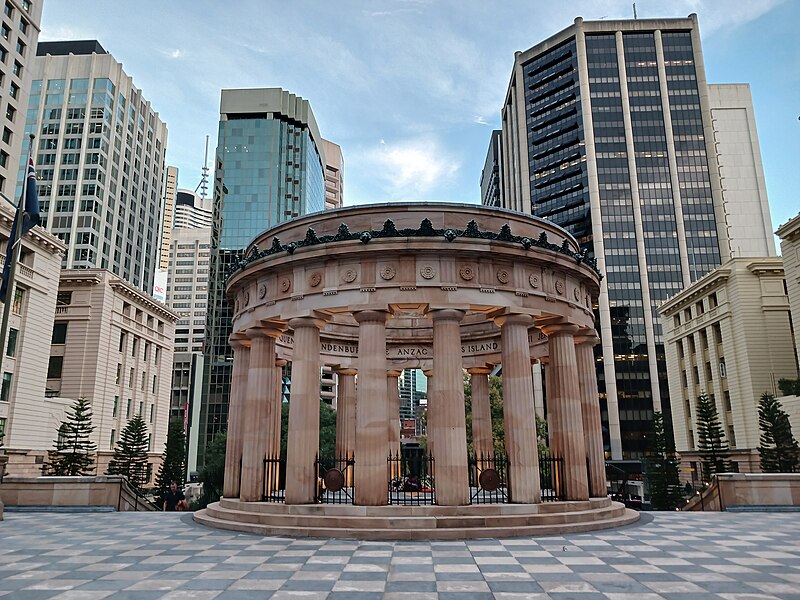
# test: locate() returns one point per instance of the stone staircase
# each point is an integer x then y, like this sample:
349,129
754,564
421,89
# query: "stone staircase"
416,522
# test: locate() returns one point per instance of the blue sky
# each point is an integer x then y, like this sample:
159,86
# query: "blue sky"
411,89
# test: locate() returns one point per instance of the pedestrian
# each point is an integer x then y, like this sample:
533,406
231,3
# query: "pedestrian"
688,489
175,500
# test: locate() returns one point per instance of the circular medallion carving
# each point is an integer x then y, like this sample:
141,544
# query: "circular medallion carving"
388,272
560,287
503,276
427,272
534,281
285,284
334,480
262,291
577,293
349,276
466,272
246,298
489,480
315,279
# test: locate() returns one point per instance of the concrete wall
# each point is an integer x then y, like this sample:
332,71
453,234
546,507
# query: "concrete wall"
748,489
103,490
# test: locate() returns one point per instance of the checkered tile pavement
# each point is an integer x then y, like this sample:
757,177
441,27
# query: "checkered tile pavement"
166,556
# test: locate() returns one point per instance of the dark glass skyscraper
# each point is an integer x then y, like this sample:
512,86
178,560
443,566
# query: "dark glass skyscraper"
607,132
269,169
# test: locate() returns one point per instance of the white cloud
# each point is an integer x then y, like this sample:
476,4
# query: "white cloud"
410,169
65,32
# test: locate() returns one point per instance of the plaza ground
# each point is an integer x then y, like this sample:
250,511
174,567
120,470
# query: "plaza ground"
732,556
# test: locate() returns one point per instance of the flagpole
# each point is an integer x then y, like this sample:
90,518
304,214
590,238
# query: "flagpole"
16,251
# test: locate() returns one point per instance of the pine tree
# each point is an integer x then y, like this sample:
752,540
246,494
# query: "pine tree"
173,461
130,455
74,451
780,452
711,443
662,467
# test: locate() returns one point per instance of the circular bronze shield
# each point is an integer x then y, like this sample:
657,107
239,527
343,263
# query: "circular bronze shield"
334,480
489,480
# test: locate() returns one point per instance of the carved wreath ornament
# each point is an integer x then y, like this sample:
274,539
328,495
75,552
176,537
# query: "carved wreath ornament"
503,276
388,272
534,281
349,276
427,272
466,272
560,287
262,291
315,279
285,284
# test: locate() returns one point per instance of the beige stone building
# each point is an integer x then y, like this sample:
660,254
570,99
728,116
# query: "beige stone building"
113,345
728,335
334,175
23,406
789,233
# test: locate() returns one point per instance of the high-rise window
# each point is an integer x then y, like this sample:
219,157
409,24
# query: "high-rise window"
12,342
5,391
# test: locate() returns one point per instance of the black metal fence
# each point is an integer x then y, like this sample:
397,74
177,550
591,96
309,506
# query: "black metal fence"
411,479
274,479
335,477
551,478
488,479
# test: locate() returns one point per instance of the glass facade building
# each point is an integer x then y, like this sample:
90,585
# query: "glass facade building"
269,169
606,134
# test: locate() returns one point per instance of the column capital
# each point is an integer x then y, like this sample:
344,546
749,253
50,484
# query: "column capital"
237,341
263,332
281,362
514,318
299,322
345,371
558,327
428,373
587,336
363,316
393,373
479,370
446,314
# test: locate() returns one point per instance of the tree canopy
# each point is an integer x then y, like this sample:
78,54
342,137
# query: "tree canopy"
74,451
779,450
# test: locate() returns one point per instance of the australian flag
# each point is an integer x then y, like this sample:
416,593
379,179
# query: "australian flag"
30,217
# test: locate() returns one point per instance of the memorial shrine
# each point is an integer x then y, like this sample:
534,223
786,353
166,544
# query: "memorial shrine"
445,288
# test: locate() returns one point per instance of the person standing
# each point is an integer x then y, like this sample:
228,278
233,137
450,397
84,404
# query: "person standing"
174,500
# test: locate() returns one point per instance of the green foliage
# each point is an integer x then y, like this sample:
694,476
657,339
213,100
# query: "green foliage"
212,473
173,461
779,451
541,437
74,452
662,467
789,387
130,454
327,429
711,443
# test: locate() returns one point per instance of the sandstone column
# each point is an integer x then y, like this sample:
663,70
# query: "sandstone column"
371,411
518,409
273,431
346,413
238,397
564,404
429,414
303,441
260,388
590,412
482,443
393,410
450,428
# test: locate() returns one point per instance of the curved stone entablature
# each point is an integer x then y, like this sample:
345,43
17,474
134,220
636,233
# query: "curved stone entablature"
331,273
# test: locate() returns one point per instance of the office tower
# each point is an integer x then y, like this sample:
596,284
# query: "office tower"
168,220
20,31
607,131
334,175
100,159
270,165
192,211
491,190
187,285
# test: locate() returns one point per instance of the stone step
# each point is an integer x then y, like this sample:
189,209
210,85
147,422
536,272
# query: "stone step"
454,533
399,522
60,509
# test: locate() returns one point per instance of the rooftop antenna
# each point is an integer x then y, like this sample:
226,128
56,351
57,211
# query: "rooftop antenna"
634,11
203,185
